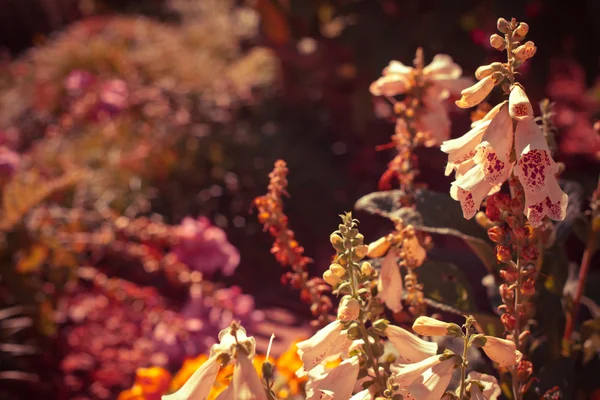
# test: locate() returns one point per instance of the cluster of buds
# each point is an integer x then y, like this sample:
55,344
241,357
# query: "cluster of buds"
286,249
410,247
421,116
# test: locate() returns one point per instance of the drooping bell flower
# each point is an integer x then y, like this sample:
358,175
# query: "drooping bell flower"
536,171
227,341
502,351
489,389
245,383
463,148
491,164
379,247
328,342
427,379
389,285
199,385
337,383
411,348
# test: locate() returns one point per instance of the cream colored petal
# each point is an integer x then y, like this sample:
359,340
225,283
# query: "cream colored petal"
411,348
443,67
405,374
397,68
491,388
519,105
390,286
391,85
435,122
432,384
551,202
475,94
470,200
337,383
501,351
327,342
428,326
199,385
245,384
534,160
363,395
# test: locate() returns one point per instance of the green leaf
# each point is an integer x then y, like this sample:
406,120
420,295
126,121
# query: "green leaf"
446,283
434,212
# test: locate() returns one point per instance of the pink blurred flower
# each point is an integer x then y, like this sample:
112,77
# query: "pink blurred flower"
204,247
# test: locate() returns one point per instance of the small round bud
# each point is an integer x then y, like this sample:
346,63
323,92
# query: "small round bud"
353,332
503,25
503,254
349,309
330,278
497,42
381,324
366,269
522,29
337,241
267,370
337,270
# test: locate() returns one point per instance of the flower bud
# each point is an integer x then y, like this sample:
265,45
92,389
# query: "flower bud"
381,324
497,234
508,321
366,269
349,309
525,51
428,326
497,42
378,248
503,254
330,278
360,252
522,29
353,332
337,241
503,25
337,270
475,94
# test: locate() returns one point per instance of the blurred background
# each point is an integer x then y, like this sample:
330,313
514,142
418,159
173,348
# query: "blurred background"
134,136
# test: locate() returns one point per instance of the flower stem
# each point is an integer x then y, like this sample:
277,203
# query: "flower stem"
463,366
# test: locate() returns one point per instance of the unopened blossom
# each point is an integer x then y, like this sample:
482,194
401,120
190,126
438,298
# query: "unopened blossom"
245,383
411,348
525,51
427,379
491,390
337,383
327,342
428,326
390,286
475,94
349,309
502,351
199,385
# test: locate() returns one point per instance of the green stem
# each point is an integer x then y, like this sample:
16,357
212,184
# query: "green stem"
463,366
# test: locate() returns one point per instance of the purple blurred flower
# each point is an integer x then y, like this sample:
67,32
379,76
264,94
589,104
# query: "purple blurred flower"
78,81
204,247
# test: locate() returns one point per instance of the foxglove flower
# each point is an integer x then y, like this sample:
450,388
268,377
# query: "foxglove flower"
491,390
389,285
337,383
427,379
327,342
245,384
200,383
490,165
536,171
502,351
411,348
443,79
